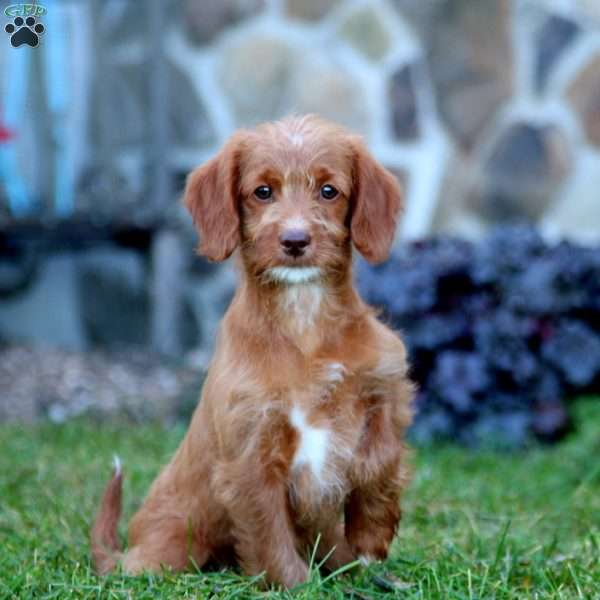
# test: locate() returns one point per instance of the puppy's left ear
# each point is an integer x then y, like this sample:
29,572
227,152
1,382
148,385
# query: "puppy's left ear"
211,196
376,205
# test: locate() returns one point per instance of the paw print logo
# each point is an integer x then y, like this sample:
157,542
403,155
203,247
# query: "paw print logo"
24,31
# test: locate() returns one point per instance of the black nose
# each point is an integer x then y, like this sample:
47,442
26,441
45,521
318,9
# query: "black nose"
294,241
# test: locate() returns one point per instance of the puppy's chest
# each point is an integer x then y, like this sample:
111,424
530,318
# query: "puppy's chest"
323,453
328,423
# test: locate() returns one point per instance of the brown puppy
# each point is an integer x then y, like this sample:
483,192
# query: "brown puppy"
299,431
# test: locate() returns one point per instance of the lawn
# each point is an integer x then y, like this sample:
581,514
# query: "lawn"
477,525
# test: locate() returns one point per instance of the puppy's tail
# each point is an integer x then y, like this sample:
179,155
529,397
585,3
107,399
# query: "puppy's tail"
103,536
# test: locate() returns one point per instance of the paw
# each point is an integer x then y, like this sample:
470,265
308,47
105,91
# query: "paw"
371,548
366,560
293,575
24,31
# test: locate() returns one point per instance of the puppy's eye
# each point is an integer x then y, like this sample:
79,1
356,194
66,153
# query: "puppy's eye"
328,192
263,193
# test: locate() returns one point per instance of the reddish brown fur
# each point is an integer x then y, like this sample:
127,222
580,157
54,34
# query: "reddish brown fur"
104,540
314,348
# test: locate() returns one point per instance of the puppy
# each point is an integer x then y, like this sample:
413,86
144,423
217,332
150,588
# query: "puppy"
298,435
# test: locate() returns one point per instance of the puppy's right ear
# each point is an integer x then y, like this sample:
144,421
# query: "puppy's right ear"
211,196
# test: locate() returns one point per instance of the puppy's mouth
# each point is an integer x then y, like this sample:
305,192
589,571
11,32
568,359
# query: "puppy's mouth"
293,275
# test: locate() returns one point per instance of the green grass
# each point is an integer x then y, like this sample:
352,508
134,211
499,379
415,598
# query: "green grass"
476,525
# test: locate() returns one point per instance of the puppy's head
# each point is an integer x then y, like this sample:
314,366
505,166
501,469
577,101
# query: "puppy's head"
294,195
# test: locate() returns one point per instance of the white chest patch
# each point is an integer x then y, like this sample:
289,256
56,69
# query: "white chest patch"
313,443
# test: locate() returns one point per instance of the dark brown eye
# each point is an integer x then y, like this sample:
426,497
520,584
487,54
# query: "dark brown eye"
263,193
328,192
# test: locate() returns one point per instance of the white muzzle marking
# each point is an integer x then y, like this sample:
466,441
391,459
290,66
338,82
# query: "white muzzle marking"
294,275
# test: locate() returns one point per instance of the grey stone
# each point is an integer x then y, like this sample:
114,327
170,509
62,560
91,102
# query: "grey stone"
455,213
419,13
402,175
256,75
205,20
519,178
470,60
584,95
120,109
188,120
525,168
117,115
309,10
331,91
189,123
105,194
288,80
114,296
18,265
117,22
365,29
403,100
590,9
555,35
168,278
576,212
48,311
208,296
116,185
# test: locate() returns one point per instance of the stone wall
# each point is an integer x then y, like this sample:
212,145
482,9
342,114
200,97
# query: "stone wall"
489,110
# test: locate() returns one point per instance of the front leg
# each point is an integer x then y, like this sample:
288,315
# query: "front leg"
265,541
372,515
379,474
325,535
253,488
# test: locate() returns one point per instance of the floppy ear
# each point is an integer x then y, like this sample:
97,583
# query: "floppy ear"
376,204
211,196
